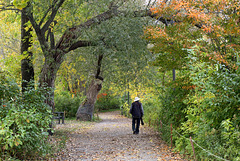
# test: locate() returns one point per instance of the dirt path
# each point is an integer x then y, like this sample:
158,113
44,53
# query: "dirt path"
112,140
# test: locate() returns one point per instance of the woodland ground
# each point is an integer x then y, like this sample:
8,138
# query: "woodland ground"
111,139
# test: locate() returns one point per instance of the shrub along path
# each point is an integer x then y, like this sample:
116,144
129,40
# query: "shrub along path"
112,140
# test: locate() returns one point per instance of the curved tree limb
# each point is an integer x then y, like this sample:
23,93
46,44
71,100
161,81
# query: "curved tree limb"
72,34
81,44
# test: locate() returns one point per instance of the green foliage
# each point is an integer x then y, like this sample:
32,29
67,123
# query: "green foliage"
230,137
151,107
20,4
65,101
106,101
167,108
202,103
125,110
205,104
213,110
24,120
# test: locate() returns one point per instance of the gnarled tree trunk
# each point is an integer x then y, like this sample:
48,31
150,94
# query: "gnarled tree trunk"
86,109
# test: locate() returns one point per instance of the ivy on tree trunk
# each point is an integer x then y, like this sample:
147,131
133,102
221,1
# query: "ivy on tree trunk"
26,63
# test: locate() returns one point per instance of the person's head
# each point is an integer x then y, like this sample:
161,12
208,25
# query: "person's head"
136,99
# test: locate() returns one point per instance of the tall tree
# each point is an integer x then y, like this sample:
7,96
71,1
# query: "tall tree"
53,50
117,51
54,54
26,43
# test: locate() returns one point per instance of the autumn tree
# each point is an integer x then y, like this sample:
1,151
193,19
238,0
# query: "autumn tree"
209,25
200,39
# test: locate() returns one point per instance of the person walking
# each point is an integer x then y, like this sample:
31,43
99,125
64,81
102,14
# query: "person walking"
137,113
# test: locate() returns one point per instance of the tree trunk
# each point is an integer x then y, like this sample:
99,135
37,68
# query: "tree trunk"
48,76
47,79
26,63
86,109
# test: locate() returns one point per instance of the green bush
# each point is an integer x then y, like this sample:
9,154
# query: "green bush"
202,103
167,108
65,102
212,113
24,121
106,102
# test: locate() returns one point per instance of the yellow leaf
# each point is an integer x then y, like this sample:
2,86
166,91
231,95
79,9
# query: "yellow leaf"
16,143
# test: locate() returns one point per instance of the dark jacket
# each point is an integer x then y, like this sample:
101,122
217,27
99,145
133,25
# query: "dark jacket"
136,109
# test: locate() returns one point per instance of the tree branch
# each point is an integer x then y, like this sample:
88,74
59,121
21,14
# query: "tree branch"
79,44
45,15
67,41
52,40
40,35
50,37
52,16
8,9
165,21
99,64
71,34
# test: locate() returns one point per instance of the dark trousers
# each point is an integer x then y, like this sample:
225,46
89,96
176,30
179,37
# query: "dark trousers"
135,124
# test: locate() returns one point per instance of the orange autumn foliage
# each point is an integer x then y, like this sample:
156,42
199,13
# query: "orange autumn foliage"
101,95
189,87
218,20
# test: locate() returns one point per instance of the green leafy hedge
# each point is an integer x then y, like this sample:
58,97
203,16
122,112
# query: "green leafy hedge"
24,121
